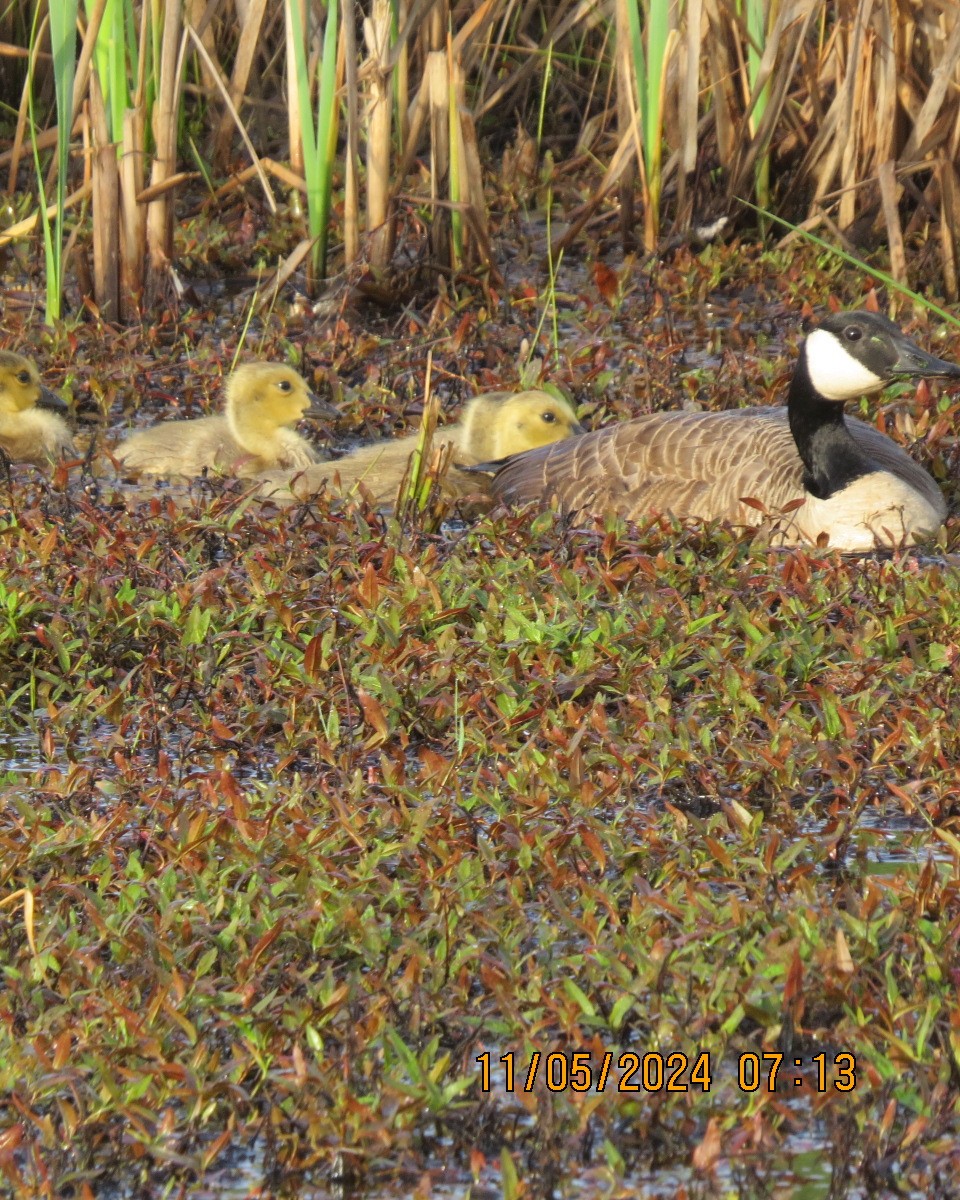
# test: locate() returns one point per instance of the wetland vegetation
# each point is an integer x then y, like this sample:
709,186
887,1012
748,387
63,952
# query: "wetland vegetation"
318,824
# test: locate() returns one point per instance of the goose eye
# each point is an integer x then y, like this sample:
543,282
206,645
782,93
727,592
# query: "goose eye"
23,377
549,417
284,385
852,333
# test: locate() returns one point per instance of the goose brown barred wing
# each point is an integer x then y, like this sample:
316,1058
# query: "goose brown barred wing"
684,464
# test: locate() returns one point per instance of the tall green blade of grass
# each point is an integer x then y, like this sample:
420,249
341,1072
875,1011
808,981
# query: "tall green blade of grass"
110,56
320,141
883,277
755,18
649,67
456,189
63,27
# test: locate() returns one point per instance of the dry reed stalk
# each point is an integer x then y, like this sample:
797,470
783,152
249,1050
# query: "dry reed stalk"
376,29
218,79
889,192
199,14
469,174
401,75
351,189
688,105
252,22
295,26
269,288
949,225
106,208
160,212
438,99
921,140
279,170
626,149
626,122
565,18
777,70
133,216
854,150
886,85
722,72
28,224
827,150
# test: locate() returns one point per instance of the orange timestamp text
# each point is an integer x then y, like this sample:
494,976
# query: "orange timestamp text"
581,1071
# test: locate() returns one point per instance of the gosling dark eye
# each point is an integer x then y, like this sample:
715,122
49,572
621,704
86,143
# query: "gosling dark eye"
852,333
549,417
284,385
24,377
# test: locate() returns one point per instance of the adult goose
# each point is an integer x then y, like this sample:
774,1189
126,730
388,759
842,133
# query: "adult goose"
32,428
821,476
254,433
493,426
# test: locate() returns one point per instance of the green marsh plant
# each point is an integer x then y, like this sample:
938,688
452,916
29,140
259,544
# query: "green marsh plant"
647,41
320,139
62,23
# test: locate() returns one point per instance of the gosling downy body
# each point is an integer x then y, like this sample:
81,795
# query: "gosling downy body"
255,432
32,428
853,484
494,425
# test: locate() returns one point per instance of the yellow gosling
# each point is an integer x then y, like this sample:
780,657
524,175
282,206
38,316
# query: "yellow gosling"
31,427
255,432
493,426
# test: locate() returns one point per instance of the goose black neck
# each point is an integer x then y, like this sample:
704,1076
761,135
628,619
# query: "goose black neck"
831,457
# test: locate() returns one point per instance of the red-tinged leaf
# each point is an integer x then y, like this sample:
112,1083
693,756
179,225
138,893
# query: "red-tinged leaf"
842,952
793,986
477,1163
592,843
460,333
262,945
223,732
793,505
373,712
213,1151
914,1130
311,656
299,1065
369,586
433,764
10,1139
870,301
719,853
706,1154
61,1049
608,285
751,502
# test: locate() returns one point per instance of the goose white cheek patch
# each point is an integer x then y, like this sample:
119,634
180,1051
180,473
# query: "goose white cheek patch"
834,372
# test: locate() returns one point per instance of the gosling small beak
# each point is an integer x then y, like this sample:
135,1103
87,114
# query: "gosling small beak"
576,429
322,409
911,360
51,401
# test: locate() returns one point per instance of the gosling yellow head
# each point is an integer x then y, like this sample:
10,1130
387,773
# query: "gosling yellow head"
32,428
504,423
265,397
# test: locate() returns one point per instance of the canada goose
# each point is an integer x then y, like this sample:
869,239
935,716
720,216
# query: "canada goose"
264,402
31,427
853,484
494,425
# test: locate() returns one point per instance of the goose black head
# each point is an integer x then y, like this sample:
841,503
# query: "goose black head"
851,354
